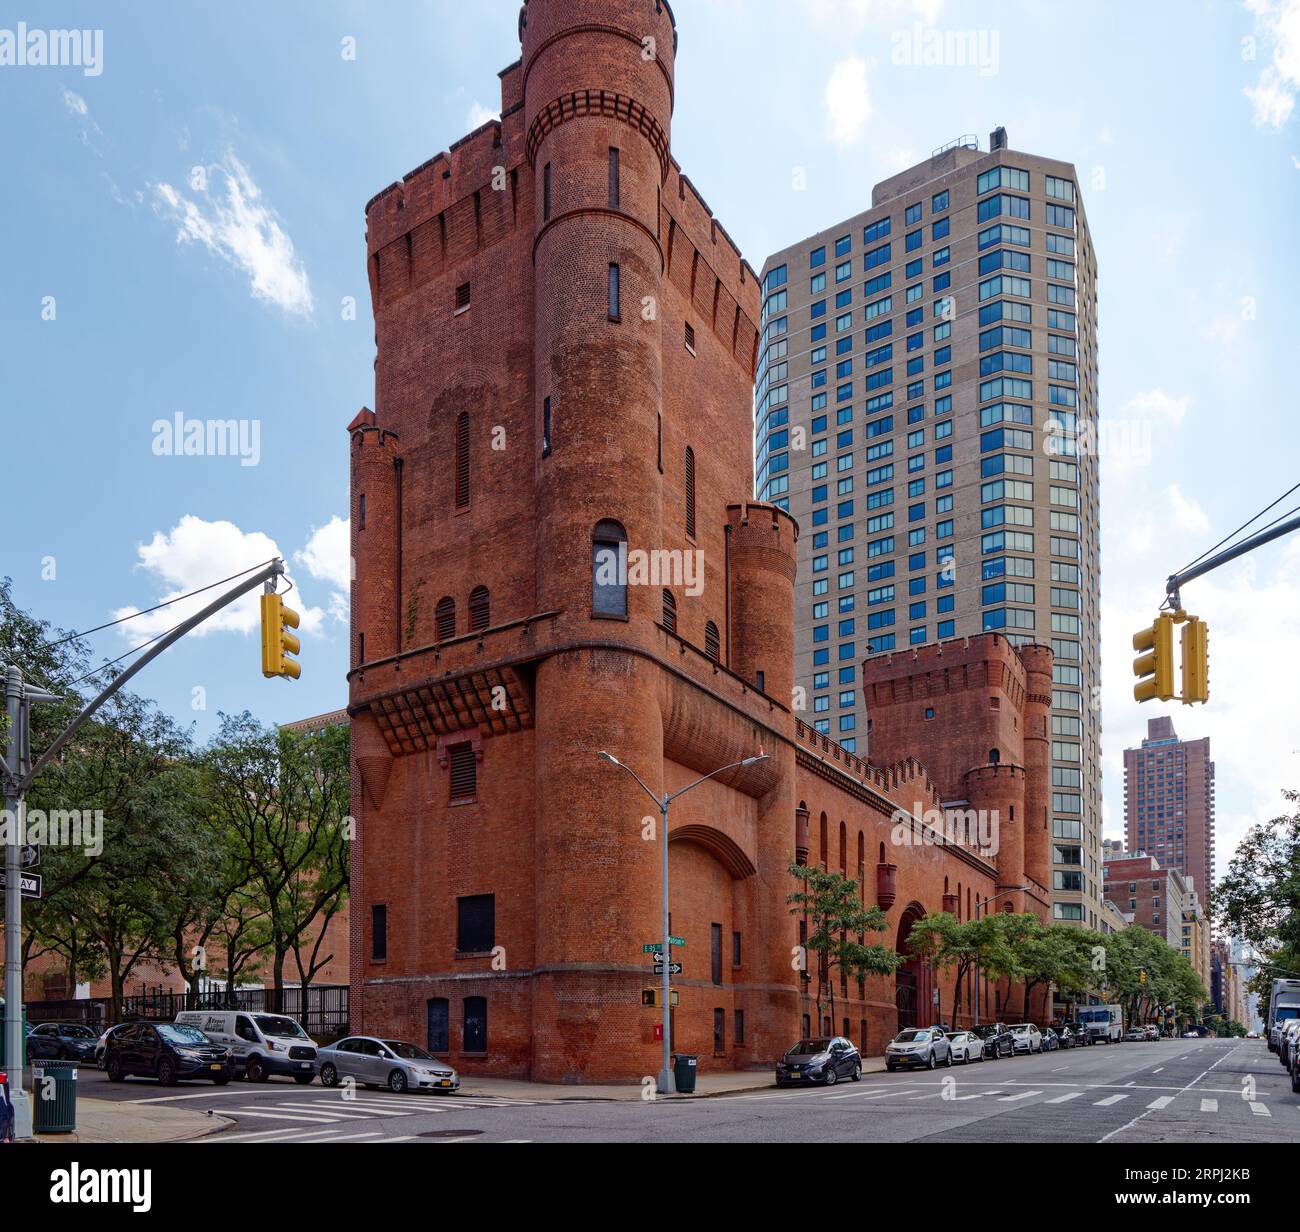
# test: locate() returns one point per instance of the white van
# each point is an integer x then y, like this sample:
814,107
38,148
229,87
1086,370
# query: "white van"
262,1044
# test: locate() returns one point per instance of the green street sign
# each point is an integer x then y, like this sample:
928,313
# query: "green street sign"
656,947
676,941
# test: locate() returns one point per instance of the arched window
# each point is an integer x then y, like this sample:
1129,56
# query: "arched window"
445,616
712,642
670,612
609,570
480,608
844,849
882,853
462,460
823,843
690,491
475,1037
994,757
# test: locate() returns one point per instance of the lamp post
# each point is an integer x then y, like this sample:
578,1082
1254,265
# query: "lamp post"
985,903
665,1082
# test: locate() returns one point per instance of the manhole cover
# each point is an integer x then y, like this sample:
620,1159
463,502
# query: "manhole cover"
449,1133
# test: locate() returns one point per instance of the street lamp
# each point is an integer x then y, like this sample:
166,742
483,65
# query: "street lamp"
665,1083
985,903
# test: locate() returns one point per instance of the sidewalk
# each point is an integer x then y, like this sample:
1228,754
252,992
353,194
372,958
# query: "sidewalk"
108,1120
707,1084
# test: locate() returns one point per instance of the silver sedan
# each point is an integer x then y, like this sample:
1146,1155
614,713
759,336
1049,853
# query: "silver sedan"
373,1062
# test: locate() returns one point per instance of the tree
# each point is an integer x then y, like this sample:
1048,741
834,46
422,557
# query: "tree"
838,923
285,795
951,944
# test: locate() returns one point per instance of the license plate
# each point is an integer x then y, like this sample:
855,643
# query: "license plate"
214,1066
304,1064
446,1082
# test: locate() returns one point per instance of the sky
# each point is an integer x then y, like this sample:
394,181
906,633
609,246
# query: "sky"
184,242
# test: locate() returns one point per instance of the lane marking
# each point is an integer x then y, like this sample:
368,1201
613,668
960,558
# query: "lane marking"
1064,1099
1011,1099
1260,1109
289,1116
1209,1105
1163,1102
1110,1099
266,1134
1142,1115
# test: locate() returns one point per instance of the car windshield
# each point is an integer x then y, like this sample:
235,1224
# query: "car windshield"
958,1037
274,1024
804,1047
1020,1028
408,1052
180,1034
79,1033
911,1036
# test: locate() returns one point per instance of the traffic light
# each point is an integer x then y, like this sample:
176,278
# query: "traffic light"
277,642
1196,661
1142,975
1154,666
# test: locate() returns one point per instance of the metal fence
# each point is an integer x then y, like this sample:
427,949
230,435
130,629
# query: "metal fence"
325,1012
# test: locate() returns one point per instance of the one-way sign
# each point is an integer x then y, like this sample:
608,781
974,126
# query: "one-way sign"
29,856
29,882
673,969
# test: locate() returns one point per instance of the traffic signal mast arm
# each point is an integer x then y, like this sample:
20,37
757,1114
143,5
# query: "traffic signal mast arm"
266,574
1178,580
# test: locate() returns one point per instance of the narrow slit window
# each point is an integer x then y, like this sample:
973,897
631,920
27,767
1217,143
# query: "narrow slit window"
615,291
462,460
613,179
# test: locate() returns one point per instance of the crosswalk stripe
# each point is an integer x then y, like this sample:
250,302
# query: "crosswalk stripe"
265,1135
1011,1099
1260,1109
314,1118
1064,1099
1209,1105
1110,1099
1163,1102
331,1112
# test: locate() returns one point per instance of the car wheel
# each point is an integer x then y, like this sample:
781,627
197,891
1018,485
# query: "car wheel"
397,1082
304,1079
857,1072
254,1070
221,1080
1295,1079
947,1061
329,1076
930,1062
890,1069
166,1072
832,1076
113,1068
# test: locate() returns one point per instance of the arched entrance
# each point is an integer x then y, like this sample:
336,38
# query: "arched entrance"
913,983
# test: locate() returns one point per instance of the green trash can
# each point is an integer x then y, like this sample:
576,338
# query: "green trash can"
684,1065
54,1097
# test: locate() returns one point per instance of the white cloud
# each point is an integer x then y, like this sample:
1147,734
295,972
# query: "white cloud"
1187,512
480,115
196,553
75,103
327,556
1155,404
1273,96
230,218
848,101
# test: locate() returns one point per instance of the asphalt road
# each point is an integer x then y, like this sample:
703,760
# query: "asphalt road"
1171,1091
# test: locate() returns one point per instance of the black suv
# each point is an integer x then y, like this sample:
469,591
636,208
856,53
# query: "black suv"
997,1040
168,1052
824,1060
62,1041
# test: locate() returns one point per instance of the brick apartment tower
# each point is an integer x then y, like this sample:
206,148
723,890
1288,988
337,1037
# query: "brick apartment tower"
528,424
1169,802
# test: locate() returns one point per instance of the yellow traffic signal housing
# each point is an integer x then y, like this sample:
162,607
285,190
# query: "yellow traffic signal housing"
1154,666
1196,661
277,642
652,998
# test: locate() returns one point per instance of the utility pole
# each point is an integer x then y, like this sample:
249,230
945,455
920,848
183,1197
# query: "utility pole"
19,775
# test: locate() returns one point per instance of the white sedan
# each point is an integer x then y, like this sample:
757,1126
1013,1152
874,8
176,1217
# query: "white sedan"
966,1046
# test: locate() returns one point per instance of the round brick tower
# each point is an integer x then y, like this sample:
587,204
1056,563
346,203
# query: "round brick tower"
598,105
1038,750
999,791
762,542
374,541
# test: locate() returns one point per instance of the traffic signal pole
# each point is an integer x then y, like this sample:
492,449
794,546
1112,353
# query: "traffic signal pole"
1178,580
18,778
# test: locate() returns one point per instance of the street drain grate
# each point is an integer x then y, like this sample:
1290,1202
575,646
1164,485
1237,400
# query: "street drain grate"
450,1133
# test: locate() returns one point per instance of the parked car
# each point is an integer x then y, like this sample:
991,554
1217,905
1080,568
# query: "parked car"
824,1060
1026,1038
1080,1034
1051,1041
1295,1070
1134,1035
1252,1035
1152,1032
103,1041
965,1046
374,1062
997,1040
167,1051
1066,1037
918,1046
262,1044
61,1041
1287,1041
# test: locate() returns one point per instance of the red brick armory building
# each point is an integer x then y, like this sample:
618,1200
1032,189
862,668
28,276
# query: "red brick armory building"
566,341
